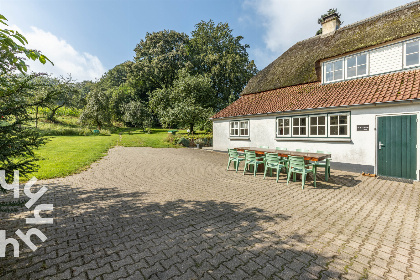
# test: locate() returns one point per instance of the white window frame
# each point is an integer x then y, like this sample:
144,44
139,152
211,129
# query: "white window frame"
338,125
237,127
357,74
306,126
405,54
317,125
290,127
333,62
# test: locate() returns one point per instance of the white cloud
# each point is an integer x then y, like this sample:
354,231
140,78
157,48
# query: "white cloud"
67,60
286,22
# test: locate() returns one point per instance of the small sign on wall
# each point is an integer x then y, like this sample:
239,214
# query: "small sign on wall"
364,127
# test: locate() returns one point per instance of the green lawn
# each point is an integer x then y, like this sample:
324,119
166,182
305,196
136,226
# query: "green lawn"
65,155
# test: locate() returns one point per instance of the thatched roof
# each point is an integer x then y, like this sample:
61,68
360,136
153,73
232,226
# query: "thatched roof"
299,64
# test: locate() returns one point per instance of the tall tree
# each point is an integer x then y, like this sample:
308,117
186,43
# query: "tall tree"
158,58
17,140
215,51
96,111
189,101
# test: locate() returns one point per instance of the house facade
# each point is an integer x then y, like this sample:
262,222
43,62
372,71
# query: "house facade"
352,91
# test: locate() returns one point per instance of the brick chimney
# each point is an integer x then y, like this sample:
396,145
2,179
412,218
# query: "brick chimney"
330,23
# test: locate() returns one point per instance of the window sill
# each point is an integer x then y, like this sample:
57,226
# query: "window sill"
239,138
314,139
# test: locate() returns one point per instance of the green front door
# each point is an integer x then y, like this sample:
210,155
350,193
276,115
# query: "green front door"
397,152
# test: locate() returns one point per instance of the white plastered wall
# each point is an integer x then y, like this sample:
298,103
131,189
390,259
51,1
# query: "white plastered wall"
361,150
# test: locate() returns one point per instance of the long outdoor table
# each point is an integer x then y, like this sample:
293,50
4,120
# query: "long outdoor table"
285,153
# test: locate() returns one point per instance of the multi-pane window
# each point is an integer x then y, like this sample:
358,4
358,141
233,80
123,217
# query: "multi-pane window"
299,126
412,53
334,71
283,127
243,128
356,65
325,125
339,125
239,128
318,125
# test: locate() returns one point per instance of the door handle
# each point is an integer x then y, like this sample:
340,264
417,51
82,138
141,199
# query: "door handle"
380,145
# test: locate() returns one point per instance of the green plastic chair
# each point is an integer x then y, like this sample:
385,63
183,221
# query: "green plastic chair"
272,161
235,158
251,159
300,150
284,160
297,165
325,164
263,147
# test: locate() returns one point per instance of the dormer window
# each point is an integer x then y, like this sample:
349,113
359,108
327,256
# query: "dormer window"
334,71
356,66
412,53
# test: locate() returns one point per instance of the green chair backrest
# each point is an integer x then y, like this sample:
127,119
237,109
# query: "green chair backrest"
271,158
296,162
298,150
250,155
263,147
280,148
233,153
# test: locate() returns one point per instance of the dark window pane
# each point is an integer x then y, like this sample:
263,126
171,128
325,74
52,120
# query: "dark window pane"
302,130
313,121
351,62
343,129
302,121
313,130
280,131
412,47
361,70
334,130
351,72
286,122
361,59
286,131
343,119
321,120
321,130
334,120
296,131
295,122
412,59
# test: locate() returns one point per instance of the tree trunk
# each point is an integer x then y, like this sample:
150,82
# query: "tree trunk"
36,117
191,128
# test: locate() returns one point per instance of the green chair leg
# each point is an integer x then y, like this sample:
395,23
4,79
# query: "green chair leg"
303,180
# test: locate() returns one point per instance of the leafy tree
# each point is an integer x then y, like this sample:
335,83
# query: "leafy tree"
17,140
189,101
137,113
158,58
96,111
216,52
63,92
119,97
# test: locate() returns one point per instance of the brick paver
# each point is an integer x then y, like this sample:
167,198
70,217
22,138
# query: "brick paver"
178,214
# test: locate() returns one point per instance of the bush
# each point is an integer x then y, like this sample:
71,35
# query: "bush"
184,142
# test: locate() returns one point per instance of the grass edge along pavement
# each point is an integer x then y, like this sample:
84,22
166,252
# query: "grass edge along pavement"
62,156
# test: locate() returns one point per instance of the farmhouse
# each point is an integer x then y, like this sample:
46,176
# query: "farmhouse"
353,91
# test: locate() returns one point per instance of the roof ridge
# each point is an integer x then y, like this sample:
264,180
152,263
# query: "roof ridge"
399,8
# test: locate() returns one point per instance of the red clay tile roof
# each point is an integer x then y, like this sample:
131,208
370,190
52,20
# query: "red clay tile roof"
384,88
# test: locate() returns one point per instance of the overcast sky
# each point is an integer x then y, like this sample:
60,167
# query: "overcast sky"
88,37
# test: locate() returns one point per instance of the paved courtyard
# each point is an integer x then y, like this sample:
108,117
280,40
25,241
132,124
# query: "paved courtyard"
143,213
